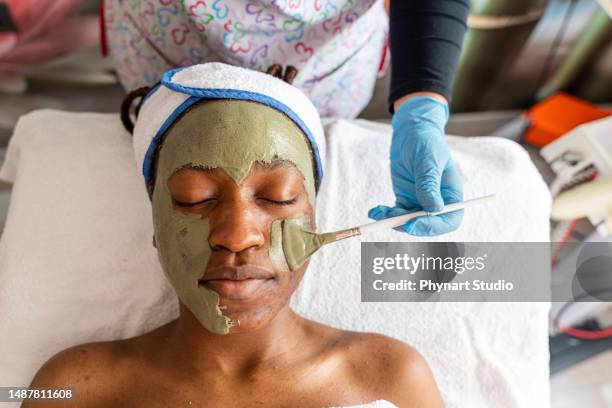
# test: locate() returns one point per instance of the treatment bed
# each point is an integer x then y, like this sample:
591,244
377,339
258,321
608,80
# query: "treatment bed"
77,264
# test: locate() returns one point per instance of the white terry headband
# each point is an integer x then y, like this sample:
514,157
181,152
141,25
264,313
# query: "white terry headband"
183,87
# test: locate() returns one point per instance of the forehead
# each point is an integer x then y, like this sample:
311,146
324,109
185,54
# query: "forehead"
233,135
277,166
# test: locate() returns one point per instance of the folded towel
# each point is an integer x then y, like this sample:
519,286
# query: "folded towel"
181,88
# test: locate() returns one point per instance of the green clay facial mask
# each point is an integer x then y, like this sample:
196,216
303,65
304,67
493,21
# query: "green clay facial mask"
231,135
293,242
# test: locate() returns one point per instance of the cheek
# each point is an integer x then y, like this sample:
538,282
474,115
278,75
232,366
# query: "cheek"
184,252
182,241
297,275
303,215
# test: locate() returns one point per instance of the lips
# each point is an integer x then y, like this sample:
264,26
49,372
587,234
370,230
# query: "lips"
237,283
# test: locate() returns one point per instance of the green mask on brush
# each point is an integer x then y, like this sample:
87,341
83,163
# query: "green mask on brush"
231,135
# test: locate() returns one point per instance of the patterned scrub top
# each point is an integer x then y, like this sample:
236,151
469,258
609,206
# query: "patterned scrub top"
337,45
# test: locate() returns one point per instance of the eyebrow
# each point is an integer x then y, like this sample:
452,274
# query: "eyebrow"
198,167
274,164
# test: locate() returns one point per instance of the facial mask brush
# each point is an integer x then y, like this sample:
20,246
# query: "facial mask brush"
299,244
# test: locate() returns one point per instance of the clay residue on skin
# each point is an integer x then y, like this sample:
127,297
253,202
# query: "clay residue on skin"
276,253
226,134
298,241
184,259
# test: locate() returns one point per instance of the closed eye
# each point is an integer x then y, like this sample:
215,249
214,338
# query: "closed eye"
279,202
188,205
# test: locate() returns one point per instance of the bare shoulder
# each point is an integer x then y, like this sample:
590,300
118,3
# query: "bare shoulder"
391,369
93,371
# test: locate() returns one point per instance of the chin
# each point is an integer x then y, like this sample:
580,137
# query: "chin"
254,305
249,321
258,311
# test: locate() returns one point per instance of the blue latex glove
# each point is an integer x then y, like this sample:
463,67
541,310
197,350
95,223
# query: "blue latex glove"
422,170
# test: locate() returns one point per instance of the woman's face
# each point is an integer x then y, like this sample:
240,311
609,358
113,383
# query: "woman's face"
227,170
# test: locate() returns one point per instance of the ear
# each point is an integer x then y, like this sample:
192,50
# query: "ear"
154,243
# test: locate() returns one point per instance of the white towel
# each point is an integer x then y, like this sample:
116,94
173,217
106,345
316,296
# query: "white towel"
482,354
77,264
181,88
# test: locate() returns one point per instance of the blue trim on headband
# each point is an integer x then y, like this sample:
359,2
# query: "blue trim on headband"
198,94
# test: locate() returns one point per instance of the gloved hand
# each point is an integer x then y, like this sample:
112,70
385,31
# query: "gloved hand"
422,170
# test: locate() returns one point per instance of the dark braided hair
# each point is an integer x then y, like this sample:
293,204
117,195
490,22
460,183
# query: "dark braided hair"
126,106
276,70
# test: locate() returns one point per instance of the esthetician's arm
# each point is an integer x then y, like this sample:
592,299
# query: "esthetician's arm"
425,39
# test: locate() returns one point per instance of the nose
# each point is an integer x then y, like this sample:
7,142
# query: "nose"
235,228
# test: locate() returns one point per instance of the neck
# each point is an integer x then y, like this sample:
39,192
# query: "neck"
237,351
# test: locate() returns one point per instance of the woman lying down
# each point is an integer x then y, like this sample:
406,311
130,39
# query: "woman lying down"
228,153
